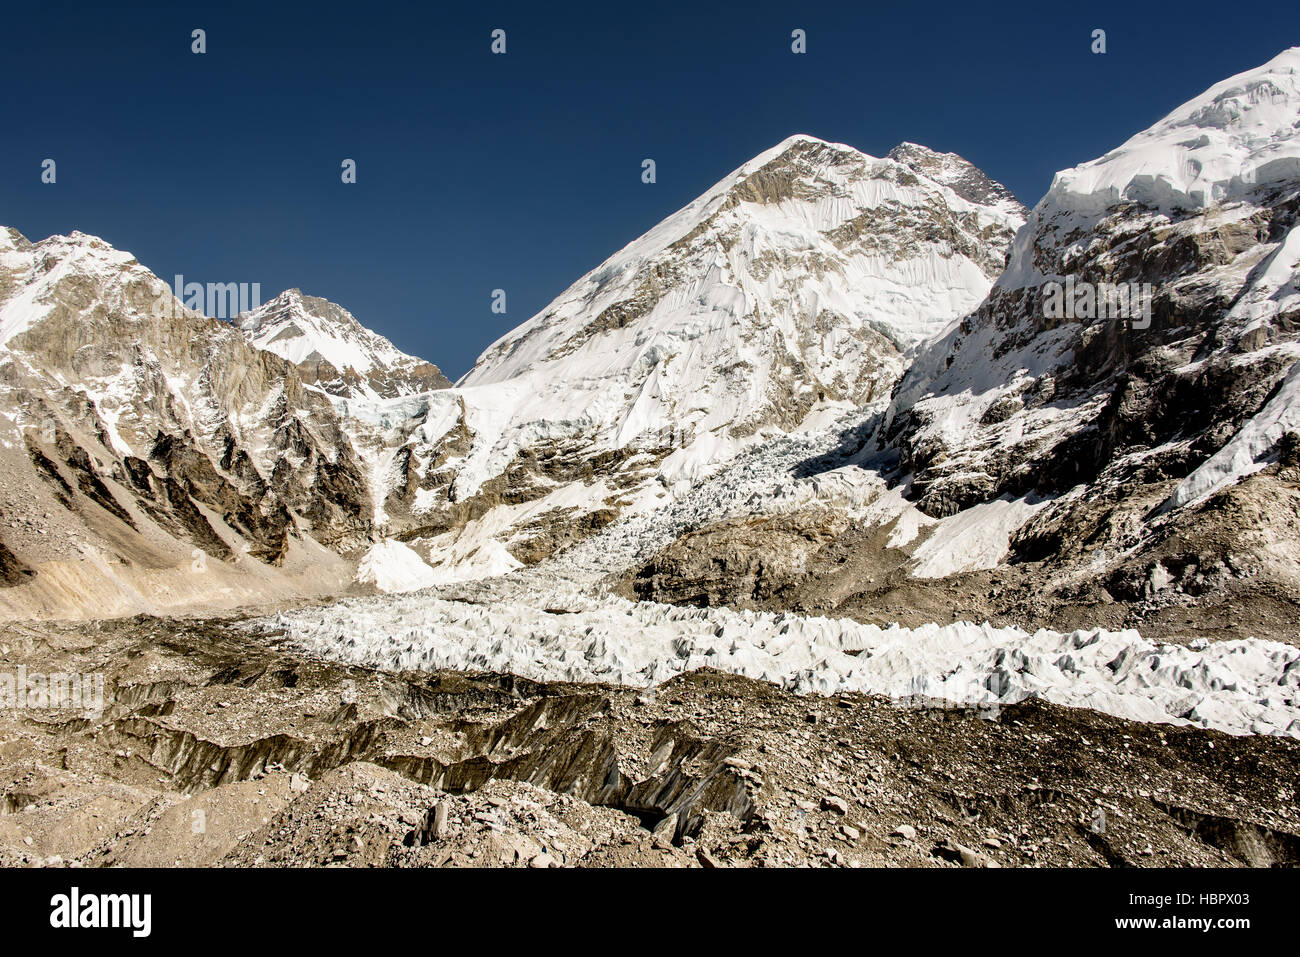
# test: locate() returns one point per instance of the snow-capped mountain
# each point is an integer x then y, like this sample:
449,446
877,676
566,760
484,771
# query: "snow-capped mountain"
807,263
169,460
791,290
1065,453
1202,207
1106,438
881,326
333,351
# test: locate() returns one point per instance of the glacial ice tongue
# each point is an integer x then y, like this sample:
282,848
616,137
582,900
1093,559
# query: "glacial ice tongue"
1240,687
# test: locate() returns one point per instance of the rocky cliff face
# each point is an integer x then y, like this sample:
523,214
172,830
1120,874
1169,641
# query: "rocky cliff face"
152,438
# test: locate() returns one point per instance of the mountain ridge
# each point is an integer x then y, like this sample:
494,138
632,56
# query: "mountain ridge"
494,474
811,285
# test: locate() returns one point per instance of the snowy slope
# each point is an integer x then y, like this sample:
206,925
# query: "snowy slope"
1225,147
393,567
790,291
804,228
1238,135
959,175
1250,449
1272,292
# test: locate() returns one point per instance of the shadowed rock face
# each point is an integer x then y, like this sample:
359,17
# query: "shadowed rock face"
13,570
1187,383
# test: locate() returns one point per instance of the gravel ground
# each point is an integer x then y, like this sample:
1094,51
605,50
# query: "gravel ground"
217,750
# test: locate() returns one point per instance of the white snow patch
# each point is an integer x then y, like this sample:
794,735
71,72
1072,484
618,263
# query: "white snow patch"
392,566
974,539
479,558
1250,449
1216,147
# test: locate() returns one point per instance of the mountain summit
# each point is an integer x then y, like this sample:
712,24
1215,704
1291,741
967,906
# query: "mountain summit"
805,232
958,174
790,291
335,352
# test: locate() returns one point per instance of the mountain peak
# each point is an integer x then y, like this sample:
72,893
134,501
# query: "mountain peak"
333,350
12,240
796,146
803,138
849,210
957,173
793,287
1237,137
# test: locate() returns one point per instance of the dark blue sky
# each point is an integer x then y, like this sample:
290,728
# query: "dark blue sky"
523,171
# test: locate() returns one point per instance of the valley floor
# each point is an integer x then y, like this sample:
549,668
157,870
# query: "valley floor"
220,745
762,709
